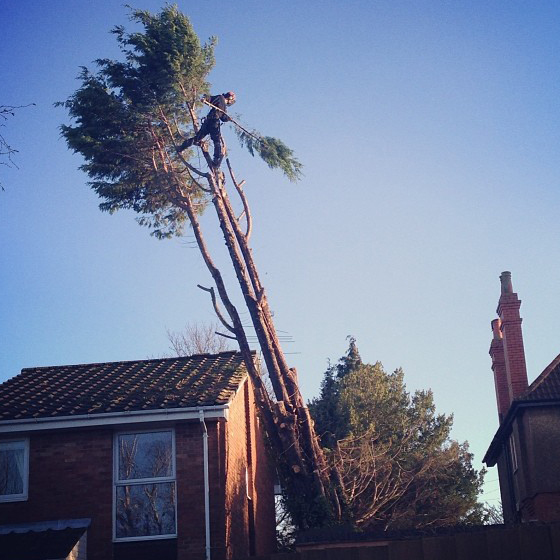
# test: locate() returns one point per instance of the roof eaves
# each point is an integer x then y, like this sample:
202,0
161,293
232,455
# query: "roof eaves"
503,432
37,526
113,418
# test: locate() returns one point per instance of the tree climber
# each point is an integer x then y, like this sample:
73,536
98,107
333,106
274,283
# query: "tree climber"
211,125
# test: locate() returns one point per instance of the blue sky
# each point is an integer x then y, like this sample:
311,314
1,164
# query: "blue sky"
430,136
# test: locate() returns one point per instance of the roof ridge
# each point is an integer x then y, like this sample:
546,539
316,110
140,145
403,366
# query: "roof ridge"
146,360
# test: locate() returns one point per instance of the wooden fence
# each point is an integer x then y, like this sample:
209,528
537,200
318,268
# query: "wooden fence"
520,542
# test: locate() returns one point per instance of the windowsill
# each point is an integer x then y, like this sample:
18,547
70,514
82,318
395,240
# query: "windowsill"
140,539
9,499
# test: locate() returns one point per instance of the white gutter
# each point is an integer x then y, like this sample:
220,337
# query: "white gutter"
206,484
112,418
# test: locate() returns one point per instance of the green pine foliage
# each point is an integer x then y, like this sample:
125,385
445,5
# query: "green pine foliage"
273,152
121,114
129,115
399,466
331,419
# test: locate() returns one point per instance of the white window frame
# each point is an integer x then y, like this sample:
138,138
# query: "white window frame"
513,453
21,497
140,481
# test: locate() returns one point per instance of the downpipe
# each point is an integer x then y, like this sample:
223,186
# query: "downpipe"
206,484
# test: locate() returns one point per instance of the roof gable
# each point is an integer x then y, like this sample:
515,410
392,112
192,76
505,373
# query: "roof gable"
544,391
143,385
547,385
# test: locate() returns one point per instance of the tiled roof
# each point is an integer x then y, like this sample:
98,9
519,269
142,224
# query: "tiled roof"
546,386
61,391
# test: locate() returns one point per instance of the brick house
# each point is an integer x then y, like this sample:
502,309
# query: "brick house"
526,446
156,458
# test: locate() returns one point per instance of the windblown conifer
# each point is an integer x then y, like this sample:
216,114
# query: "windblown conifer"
397,464
128,117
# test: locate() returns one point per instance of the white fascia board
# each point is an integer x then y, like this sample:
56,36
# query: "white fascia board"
113,418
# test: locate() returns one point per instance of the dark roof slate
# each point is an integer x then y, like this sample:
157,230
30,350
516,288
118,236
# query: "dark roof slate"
42,540
59,391
546,386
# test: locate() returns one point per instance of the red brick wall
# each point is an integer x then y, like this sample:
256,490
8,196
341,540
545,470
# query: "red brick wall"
71,476
246,450
263,481
545,507
190,489
499,368
514,353
237,512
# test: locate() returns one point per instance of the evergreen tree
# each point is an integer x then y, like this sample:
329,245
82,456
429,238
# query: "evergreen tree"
398,465
331,422
325,410
350,361
128,118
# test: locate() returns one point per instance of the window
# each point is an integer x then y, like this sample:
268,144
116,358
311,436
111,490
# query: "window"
513,451
145,504
14,470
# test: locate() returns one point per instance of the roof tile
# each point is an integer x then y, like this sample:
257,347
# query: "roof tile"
546,386
57,391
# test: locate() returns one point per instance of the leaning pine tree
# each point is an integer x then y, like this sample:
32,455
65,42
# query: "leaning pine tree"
127,120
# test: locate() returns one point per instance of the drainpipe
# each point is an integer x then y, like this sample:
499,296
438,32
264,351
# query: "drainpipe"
206,484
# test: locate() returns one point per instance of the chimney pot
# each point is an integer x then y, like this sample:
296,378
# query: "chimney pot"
505,279
496,329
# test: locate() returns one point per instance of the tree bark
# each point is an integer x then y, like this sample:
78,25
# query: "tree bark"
287,422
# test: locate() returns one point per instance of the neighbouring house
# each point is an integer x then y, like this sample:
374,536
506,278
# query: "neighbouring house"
160,459
526,446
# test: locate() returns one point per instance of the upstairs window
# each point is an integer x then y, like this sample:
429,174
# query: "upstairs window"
145,486
14,470
513,451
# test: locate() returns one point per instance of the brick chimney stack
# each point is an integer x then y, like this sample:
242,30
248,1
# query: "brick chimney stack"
499,369
506,350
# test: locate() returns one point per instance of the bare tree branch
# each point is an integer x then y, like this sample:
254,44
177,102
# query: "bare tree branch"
216,308
7,150
198,339
246,211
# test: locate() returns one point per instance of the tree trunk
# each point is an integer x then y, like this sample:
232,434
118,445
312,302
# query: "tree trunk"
295,423
305,475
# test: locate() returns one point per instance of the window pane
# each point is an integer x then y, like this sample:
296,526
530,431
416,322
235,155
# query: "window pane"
146,510
11,468
145,455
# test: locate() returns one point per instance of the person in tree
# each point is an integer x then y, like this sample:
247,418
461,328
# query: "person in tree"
211,124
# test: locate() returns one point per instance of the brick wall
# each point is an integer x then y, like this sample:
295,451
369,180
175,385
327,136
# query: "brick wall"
71,476
250,522
514,353
499,368
263,480
237,506
190,489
